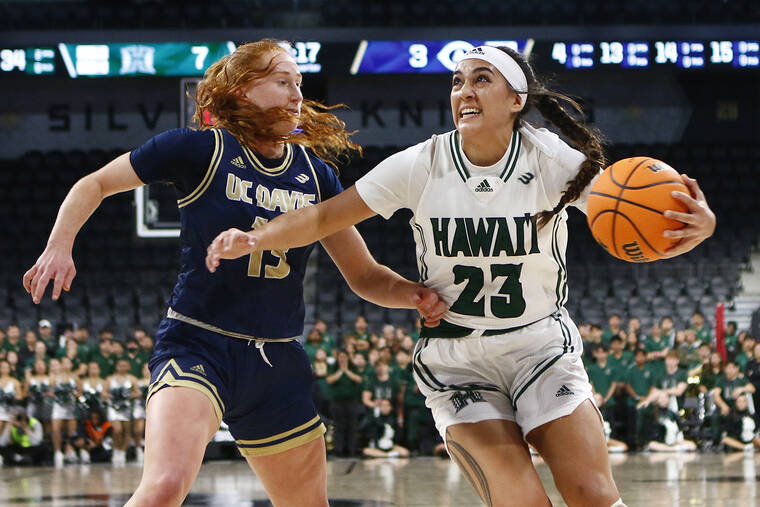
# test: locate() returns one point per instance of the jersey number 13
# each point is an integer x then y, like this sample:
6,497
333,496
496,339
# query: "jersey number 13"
256,263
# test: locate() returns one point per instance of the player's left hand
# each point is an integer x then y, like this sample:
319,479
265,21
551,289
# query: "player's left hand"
230,244
700,220
430,305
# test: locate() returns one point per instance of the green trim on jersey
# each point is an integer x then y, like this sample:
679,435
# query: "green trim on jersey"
423,264
509,167
456,156
514,155
561,287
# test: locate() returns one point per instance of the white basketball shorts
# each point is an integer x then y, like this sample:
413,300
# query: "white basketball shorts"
531,376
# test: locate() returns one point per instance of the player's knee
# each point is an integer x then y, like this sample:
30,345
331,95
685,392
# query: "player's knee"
595,490
168,488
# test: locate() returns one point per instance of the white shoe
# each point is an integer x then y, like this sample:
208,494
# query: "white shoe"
1,461
139,455
58,459
70,457
84,456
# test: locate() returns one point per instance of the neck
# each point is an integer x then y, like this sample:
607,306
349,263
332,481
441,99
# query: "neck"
270,150
485,150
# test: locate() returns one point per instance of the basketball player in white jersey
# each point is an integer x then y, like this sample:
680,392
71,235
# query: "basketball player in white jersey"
504,366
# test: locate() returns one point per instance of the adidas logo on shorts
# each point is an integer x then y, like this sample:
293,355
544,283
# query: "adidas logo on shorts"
484,187
198,368
238,162
563,391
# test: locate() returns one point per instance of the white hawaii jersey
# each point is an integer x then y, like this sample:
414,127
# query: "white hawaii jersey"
477,241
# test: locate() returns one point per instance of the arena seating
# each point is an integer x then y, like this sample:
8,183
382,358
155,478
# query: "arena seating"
124,280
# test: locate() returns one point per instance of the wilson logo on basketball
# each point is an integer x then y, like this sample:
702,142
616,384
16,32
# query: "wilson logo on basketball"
633,251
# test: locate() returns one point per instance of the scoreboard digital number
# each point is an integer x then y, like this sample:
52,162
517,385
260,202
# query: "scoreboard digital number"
162,59
646,54
35,61
137,59
428,57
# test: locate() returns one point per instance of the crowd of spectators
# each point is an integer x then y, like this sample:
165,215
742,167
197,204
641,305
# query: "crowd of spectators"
669,389
364,388
68,398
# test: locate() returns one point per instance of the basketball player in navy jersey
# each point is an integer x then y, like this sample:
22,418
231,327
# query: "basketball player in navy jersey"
504,367
227,349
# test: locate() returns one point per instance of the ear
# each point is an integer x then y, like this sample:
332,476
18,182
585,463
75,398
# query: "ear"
515,102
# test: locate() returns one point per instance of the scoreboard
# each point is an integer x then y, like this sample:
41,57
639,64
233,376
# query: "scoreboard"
692,54
375,56
136,59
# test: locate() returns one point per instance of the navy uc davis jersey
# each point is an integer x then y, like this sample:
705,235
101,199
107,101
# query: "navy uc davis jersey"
258,295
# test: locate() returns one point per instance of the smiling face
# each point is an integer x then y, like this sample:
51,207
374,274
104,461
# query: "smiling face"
280,88
481,99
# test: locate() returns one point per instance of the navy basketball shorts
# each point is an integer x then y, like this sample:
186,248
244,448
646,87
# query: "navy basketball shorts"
268,409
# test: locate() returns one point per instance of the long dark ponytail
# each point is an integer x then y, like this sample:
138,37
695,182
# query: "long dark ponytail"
584,138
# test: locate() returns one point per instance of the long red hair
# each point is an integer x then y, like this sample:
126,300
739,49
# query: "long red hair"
218,104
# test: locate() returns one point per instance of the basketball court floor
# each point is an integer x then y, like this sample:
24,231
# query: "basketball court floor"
644,480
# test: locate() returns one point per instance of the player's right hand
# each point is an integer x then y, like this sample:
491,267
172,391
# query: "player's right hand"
55,264
230,244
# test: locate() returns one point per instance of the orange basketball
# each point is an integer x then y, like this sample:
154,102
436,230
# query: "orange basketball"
626,204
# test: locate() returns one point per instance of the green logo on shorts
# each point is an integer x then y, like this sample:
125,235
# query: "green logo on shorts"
461,399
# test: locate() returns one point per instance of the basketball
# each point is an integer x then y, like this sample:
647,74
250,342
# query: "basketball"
626,204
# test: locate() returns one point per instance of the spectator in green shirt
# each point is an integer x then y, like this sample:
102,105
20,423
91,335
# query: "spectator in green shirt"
360,336
84,352
40,353
345,386
327,338
747,344
668,331
603,378
314,342
613,328
639,384
731,338
728,388
136,359
710,374
45,334
105,359
619,358
698,324
146,347
381,387
27,349
688,351
672,382
656,348
13,338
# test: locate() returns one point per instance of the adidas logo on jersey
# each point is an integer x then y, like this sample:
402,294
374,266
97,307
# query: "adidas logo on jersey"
484,187
198,368
525,178
302,178
563,391
238,162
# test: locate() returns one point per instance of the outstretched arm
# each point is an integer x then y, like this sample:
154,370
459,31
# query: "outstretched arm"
293,229
83,199
332,221
378,283
700,220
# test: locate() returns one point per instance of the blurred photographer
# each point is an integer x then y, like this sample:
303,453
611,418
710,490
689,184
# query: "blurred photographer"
21,441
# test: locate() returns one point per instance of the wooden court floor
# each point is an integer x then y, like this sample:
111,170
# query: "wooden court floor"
644,480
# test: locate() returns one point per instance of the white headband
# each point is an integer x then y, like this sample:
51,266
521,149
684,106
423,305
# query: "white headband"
504,64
